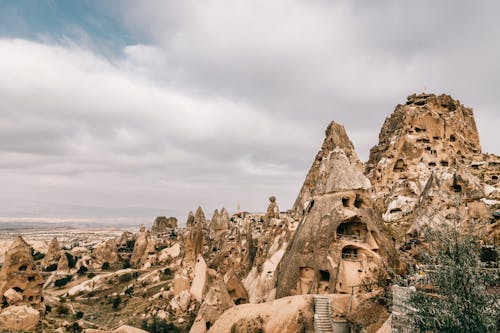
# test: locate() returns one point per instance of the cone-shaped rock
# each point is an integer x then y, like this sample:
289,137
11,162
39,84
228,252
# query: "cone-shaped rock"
20,273
338,244
337,153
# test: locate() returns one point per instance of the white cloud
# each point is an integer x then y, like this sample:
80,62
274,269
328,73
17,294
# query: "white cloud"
220,101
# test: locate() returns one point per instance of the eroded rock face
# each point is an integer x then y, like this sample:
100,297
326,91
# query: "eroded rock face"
163,224
220,221
140,246
21,274
339,243
193,243
216,301
53,254
19,318
337,153
428,166
107,251
273,211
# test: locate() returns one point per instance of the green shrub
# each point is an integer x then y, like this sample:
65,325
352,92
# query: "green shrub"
116,302
459,299
82,270
125,277
51,268
62,310
158,325
126,264
37,255
105,265
71,260
63,281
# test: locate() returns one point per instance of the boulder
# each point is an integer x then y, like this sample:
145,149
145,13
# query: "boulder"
19,318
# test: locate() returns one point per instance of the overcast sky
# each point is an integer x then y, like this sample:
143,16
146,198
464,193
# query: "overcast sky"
141,108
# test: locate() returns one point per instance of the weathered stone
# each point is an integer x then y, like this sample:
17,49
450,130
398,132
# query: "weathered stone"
162,224
273,211
19,318
338,245
107,251
12,296
428,166
20,273
53,254
140,246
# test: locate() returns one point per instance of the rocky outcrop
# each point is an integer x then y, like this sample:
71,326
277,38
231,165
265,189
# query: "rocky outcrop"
20,273
339,244
273,211
199,217
219,221
53,254
20,289
162,224
106,251
194,236
290,314
19,318
216,301
428,166
337,152
140,246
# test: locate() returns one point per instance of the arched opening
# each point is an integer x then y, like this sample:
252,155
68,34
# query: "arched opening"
350,252
399,165
324,281
353,230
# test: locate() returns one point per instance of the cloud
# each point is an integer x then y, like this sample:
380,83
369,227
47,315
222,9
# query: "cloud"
223,101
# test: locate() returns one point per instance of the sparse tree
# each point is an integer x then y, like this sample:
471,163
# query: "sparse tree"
455,297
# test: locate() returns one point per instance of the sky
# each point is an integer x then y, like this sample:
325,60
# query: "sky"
116,110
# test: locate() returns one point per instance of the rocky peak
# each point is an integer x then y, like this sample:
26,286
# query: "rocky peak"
339,243
190,219
199,216
163,224
337,153
421,165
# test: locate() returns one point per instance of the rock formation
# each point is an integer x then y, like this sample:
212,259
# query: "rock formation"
20,288
426,165
273,211
163,224
20,273
219,221
140,246
337,153
193,242
199,217
107,251
53,254
339,244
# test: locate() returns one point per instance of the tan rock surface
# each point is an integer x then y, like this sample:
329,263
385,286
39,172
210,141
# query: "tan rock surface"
19,318
20,273
340,243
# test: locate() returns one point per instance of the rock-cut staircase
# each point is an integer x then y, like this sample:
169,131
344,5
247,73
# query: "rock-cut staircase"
322,315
